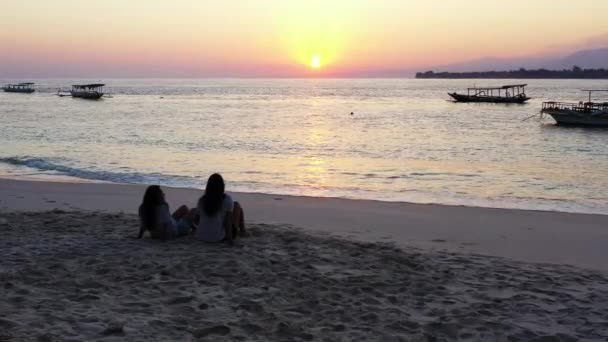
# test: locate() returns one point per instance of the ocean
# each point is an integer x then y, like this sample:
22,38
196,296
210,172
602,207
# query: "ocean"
403,142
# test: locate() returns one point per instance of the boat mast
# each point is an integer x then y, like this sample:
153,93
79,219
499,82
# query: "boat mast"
594,90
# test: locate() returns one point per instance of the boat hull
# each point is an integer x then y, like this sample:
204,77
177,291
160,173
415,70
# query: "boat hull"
22,91
490,99
574,118
86,95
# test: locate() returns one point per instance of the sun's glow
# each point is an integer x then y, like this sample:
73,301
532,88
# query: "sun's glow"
314,38
315,62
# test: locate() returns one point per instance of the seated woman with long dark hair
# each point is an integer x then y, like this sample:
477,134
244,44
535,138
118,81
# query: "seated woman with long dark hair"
156,218
221,219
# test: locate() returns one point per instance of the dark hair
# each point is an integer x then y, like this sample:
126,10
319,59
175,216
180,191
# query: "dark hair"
147,210
211,201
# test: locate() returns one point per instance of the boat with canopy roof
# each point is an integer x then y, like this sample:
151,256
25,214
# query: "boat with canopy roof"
93,91
26,87
579,114
515,93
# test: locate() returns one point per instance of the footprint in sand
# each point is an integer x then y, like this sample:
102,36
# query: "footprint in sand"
114,328
181,300
252,328
221,330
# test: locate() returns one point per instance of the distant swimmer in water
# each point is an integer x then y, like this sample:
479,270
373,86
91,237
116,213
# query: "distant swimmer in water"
352,113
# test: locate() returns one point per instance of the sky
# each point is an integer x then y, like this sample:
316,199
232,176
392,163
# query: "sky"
283,38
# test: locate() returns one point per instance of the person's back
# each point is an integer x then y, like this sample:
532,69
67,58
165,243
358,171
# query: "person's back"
220,218
163,222
212,228
156,218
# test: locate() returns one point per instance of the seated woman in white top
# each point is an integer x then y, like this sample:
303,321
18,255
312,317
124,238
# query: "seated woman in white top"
220,218
155,216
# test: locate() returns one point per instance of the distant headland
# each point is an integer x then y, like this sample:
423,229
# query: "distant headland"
574,73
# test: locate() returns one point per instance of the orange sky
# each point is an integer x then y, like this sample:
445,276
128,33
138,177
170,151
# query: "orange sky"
193,38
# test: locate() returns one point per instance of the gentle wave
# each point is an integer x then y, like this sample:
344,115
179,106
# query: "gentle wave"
51,168
42,164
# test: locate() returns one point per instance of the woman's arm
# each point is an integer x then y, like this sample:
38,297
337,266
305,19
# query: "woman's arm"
166,222
228,226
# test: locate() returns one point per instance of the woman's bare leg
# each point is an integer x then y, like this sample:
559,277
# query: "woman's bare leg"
181,213
194,217
238,219
188,216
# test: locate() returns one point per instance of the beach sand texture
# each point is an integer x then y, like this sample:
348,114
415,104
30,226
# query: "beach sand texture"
80,276
531,236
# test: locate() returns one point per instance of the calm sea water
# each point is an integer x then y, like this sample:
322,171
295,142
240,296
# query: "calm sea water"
405,141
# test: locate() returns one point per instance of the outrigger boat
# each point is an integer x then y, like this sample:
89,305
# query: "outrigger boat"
92,91
515,93
27,88
579,114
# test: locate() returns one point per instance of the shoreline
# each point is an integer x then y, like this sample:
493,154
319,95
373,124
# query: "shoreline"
524,235
77,180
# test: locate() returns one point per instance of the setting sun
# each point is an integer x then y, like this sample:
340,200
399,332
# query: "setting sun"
315,63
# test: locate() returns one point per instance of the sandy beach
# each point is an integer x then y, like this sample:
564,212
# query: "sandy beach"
523,235
314,269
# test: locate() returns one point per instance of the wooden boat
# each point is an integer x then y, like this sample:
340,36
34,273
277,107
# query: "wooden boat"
92,91
26,88
578,114
515,93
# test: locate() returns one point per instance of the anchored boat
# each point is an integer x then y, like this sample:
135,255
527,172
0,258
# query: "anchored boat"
515,93
92,91
26,88
580,114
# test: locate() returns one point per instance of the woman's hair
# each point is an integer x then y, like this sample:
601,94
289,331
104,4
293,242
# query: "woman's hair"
212,200
147,211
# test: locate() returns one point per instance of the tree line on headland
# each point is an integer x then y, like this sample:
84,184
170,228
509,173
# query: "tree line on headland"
575,72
